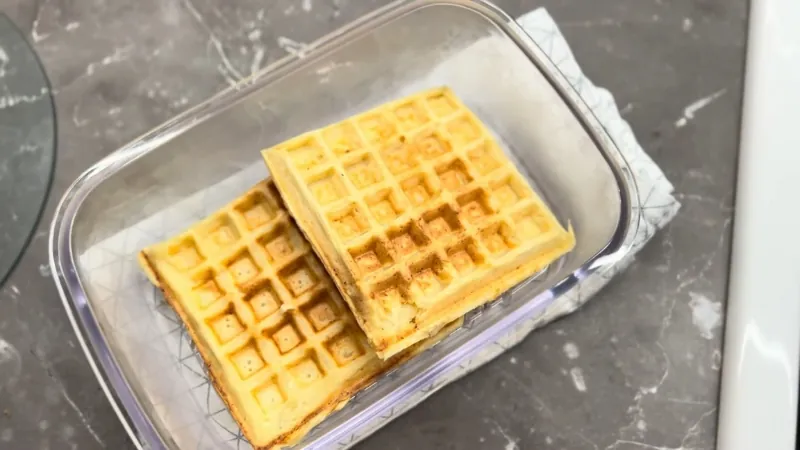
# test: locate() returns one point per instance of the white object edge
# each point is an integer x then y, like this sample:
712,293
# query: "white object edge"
758,401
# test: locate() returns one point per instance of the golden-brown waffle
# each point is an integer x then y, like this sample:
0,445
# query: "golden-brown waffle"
417,214
282,347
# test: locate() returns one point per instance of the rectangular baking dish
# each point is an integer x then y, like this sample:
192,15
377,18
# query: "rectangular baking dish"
178,173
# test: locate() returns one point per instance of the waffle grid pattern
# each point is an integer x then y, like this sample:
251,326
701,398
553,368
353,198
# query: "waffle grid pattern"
267,310
418,194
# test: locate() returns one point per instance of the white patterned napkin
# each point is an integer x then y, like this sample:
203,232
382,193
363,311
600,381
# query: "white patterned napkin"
658,206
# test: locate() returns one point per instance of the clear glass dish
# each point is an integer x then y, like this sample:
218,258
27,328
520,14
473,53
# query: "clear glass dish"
178,173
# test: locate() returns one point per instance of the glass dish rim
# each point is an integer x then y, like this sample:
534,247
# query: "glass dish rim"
75,299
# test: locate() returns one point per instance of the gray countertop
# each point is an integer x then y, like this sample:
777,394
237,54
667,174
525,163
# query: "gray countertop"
648,344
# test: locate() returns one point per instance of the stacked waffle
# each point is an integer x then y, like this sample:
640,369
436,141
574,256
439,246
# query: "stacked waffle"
379,233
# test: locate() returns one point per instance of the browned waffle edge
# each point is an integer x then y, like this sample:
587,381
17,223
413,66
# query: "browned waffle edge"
312,419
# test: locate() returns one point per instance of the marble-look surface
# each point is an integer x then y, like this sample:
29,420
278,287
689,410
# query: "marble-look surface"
648,346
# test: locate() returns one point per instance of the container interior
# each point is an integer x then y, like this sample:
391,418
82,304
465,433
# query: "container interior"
177,182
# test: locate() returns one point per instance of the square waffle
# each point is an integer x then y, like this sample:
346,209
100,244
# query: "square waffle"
417,214
282,348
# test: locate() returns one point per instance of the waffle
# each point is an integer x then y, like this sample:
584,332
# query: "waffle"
282,347
417,213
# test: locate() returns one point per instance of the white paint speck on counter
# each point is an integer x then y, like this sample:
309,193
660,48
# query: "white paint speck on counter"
254,35
3,62
571,350
706,314
292,47
577,379
10,363
716,360
697,105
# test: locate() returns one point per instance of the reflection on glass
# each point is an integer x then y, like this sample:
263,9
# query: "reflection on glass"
27,143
